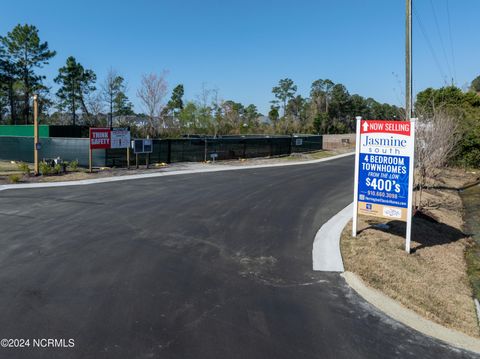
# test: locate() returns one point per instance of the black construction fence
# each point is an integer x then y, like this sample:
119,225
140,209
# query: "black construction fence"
193,149
69,131
226,148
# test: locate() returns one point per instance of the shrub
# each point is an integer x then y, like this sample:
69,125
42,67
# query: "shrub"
58,168
14,178
45,168
73,165
22,166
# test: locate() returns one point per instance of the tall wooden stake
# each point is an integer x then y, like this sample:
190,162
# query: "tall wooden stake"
36,142
90,159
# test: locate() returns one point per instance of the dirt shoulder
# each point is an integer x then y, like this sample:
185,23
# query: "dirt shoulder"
433,280
9,169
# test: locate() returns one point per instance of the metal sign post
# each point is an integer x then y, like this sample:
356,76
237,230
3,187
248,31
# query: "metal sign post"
213,156
384,165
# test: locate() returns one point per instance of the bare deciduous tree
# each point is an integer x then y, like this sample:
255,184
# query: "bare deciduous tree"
435,142
152,93
95,107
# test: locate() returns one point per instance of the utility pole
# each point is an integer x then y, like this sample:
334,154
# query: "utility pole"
409,115
408,61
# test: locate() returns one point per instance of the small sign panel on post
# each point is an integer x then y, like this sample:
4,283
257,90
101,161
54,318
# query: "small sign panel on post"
142,146
147,146
384,171
120,137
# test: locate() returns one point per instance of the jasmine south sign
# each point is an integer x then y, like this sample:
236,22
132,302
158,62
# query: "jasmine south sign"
384,171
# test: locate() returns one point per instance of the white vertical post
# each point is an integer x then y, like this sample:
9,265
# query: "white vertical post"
355,181
410,185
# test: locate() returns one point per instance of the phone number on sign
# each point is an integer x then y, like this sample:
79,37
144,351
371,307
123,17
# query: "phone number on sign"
382,194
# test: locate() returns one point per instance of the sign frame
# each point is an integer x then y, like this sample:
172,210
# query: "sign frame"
114,134
146,145
92,147
120,137
409,154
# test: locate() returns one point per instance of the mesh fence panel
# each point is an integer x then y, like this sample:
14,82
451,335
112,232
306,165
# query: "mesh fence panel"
306,143
168,150
199,149
68,149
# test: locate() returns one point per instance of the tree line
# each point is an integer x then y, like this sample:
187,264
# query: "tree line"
81,100
461,109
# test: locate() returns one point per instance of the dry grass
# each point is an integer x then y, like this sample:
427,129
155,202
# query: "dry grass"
294,157
451,177
433,280
9,167
316,155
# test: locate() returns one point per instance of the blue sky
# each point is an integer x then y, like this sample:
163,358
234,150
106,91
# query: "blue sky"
243,48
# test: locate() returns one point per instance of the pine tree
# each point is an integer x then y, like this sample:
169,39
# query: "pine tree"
24,53
75,83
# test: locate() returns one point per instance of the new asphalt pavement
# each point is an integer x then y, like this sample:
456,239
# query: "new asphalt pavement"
208,265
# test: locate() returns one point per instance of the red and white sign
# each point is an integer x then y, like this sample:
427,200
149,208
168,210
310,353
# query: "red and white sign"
381,126
99,138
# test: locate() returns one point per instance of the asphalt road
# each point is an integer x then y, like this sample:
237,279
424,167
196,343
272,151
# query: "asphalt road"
213,265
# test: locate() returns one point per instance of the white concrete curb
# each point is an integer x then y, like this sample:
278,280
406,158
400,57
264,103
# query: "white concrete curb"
408,317
326,253
161,174
477,308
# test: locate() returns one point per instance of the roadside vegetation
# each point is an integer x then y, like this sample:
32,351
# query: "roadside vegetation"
15,172
456,115
433,279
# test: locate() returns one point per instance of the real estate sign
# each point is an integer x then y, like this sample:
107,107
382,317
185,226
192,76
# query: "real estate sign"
384,170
